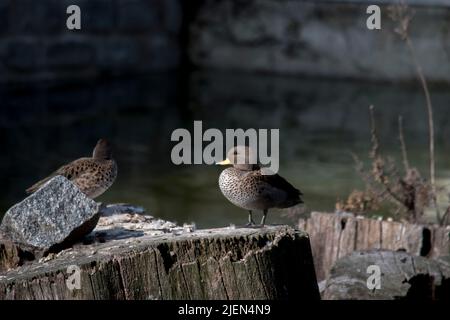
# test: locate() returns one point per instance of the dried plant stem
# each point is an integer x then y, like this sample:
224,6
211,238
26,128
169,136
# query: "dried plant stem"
403,144
375,155
374,136
446,217
429,106
403,14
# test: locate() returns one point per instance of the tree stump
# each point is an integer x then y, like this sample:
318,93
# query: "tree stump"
131,256
402,276
334,236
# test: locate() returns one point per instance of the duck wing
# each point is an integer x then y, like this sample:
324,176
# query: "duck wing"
279,182
71,171
276,187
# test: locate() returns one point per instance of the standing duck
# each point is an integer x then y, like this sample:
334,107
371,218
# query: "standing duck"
93,176
245,186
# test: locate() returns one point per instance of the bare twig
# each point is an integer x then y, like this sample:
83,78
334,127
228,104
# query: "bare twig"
365,176
402,14
446,217
383,182
374,136
378,163
429,106
403,144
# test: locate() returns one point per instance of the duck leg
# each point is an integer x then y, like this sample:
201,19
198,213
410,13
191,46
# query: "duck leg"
250,219
263,220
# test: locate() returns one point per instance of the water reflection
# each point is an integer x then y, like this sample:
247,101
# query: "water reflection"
43,126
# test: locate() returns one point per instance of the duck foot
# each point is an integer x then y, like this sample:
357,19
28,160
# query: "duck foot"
250,223
263,220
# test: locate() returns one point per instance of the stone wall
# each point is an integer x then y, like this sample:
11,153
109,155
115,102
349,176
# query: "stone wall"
320,38
116,37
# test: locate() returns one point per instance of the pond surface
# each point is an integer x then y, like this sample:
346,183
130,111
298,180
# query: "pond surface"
43,126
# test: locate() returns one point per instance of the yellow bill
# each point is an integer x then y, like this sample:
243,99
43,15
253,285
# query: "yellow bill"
224,162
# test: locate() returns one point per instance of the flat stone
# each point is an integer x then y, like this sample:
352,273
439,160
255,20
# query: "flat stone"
54,217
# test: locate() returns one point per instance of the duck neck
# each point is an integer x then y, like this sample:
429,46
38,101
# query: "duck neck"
247,167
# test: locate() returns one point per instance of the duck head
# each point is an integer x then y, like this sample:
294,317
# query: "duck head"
242,158
102,150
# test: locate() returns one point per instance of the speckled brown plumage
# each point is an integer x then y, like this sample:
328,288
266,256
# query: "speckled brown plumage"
93,176
245,186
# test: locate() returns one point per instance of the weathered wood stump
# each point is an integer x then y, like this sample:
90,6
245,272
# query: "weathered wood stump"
335,235
134,256
402,276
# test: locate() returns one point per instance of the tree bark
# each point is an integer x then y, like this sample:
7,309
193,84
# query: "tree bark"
334,236
401,276
274,262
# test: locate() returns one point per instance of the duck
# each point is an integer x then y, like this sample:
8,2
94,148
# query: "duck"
245,186
92,175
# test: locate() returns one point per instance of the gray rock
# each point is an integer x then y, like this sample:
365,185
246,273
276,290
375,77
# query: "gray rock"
403,276
54,217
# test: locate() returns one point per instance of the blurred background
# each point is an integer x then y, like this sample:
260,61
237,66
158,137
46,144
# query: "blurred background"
138,69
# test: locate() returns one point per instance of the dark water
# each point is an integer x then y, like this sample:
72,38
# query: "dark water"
45,125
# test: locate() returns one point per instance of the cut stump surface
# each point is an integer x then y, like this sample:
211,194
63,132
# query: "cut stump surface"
133,256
